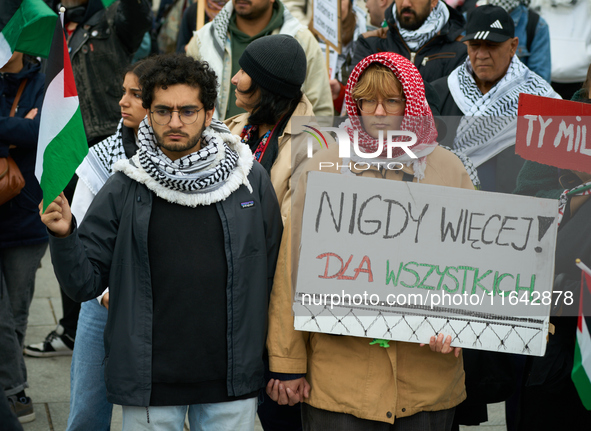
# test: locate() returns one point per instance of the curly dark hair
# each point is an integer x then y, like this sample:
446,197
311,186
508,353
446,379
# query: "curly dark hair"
271,106
172,69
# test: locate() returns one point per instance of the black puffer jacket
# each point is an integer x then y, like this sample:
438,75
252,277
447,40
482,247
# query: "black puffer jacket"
435,59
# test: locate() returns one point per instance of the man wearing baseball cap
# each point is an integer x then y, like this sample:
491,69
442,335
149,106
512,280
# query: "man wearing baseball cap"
479,102
487,87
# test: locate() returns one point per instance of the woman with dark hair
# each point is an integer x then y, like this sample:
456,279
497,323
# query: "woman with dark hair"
268,87
89,408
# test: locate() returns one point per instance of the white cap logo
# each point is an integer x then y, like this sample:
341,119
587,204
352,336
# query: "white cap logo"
481,35
496,24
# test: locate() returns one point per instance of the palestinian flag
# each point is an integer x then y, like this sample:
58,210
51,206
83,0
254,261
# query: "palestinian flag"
26,26
581,374
62,142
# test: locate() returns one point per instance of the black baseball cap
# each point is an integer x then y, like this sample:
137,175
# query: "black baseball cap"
491,23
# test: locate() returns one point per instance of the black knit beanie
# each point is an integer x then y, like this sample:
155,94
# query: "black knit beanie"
276,63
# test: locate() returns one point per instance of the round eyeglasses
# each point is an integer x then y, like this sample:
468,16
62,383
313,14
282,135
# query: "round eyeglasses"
163,116
392,106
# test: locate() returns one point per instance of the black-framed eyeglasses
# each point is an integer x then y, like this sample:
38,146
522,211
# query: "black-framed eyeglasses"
187,115
393,105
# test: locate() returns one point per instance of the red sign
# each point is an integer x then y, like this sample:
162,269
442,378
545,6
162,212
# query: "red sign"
554,132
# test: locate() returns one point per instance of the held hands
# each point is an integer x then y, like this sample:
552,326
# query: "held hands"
289,391
438,345
57,217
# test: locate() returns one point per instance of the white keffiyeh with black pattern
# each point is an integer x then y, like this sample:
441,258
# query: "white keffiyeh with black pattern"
204,177
508,5
97,166
490,120
432,25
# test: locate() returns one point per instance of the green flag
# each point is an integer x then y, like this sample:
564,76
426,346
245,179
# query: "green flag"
61,146
25,26
107,3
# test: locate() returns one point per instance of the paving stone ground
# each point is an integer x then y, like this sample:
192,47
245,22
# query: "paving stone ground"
49,378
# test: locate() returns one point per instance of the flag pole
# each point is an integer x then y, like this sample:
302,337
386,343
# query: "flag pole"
62,13
200,14
583,267
61,145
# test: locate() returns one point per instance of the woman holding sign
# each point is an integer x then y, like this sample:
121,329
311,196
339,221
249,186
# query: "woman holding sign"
348,382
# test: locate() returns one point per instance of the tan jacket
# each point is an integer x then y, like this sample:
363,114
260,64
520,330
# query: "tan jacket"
292,153
346,374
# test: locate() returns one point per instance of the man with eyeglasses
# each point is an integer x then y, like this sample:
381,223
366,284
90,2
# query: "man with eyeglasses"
186,234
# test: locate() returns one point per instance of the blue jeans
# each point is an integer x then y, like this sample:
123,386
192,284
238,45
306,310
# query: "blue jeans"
18,266
89,408
230,416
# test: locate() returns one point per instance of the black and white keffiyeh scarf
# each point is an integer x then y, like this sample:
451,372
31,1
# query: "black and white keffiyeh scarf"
508,5
490,120
204,177
97,166
432,25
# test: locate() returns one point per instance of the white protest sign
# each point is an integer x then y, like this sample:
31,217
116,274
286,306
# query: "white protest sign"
404,261
326,21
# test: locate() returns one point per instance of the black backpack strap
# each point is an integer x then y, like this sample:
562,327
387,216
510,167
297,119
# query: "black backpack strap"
530,30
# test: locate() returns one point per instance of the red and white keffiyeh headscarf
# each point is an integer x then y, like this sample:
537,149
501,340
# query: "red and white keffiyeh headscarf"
417,114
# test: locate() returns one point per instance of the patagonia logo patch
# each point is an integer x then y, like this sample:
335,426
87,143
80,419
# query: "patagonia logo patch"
247,204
